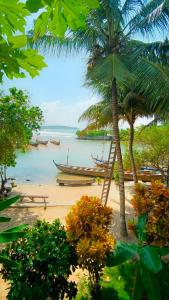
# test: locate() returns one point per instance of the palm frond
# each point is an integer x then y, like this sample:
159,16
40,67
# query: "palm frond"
153,15
153,79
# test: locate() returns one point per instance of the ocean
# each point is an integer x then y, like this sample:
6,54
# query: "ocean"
36,165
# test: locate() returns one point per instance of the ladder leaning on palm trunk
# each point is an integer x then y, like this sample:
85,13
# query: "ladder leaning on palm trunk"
108,177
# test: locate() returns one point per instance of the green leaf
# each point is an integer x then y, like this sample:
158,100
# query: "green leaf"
17,228
141,227
150,258
4,219
151,284
113,66
137,290
123,252
7,202
34,5
18,41
6,237
8,261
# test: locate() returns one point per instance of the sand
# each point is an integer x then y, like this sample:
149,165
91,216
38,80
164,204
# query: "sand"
60,199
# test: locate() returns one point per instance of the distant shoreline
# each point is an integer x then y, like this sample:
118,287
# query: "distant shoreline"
95,138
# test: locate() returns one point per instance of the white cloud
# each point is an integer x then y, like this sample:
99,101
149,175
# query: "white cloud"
60,113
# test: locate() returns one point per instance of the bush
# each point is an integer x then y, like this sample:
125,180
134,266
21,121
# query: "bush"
44,260
153,204
138,157
87,230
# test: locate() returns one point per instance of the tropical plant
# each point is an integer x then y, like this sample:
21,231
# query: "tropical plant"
116,57
152,206
45,259
88,231
15,59
155,143
138,157
18,120
10,234
143,270
144,265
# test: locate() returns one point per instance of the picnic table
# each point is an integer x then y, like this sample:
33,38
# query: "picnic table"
33,197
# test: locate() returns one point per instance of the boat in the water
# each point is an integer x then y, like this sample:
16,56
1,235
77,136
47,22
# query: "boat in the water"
42,142
33,143
55,142
100,162
77,170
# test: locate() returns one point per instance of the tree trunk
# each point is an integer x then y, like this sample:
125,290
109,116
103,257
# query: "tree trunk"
131,139
123,228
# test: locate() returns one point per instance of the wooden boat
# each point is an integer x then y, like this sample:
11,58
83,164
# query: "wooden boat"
145,177
77,170
55,142
33,144
43,142
69,179
100,163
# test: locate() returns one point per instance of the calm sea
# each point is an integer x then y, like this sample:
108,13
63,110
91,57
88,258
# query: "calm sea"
37,164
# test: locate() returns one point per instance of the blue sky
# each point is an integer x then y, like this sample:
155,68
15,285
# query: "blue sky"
59,90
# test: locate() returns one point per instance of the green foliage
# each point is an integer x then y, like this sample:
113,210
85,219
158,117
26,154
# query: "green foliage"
98,180
92,133
12,233
138,157
155,143
144,265
15,59
18,120
58,16
45,260
124,134
147,270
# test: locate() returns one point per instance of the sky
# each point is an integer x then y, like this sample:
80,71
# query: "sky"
59,90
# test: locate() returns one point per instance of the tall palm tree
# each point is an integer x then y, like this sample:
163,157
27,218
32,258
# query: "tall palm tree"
131,105
116,57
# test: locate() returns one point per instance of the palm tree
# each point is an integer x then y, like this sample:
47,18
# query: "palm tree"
131,105
116,57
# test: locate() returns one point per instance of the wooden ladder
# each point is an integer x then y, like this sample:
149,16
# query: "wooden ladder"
108,177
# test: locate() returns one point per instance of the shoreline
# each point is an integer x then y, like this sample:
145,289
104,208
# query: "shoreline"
59,201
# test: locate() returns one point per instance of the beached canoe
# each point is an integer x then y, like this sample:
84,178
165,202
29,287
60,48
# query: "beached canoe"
145,177
76,170
55,142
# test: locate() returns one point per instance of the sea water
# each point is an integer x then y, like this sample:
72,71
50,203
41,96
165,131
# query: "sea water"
37,164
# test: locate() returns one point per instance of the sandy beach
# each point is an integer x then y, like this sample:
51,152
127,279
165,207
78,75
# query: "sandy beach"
59,201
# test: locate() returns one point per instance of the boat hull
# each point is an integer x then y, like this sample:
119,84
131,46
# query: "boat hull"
95,172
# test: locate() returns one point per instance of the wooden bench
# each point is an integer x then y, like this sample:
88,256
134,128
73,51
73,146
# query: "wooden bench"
33,197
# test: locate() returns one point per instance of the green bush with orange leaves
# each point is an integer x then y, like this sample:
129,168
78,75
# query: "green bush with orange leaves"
153,203
88,230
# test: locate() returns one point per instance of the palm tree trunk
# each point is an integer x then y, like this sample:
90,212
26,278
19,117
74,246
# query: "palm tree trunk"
123,228
131,139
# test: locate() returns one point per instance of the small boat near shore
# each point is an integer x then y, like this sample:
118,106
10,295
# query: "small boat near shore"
33,144
41,142
55,142
100,163
77,170
145,177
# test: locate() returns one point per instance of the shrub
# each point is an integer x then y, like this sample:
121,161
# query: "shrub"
87,230
153,204
44,259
